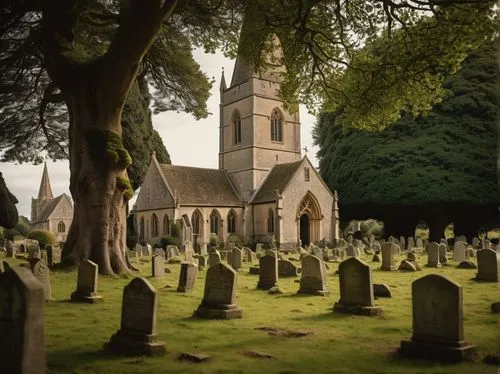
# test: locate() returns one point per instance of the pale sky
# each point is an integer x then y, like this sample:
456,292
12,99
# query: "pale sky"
189,142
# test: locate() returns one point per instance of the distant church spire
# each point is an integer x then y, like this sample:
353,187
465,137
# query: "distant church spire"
223,85
45,191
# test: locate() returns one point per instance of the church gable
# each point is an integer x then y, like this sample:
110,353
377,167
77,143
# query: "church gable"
63,208
154,193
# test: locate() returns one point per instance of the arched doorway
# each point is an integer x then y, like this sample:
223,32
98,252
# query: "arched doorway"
309,220
305,229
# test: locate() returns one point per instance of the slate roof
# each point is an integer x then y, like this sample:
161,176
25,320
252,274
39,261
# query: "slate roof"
199,186
277,179
49,207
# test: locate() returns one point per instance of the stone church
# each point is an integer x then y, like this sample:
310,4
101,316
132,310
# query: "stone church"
263,190
51,213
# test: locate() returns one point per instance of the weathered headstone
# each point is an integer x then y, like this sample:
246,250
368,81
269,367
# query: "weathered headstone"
41,272
213,258
188,252
411,257
402,243
461,238
433,255
443,257
21,323
411,244
9,248
158,267
271,252
236,259
313,280
376,247
388,250
488,265
202,262
485,244
476,243
159,252
268,272
459,251
406,265
286,268
86,288
316,251
220,294
381,290
187,277
351,251
356,289
137,335
419,243
147,250
437,321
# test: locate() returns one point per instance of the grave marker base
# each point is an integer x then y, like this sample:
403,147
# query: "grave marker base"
433,265
388,268
76,297
229,311
358,309
266,285
128,343
306,291
435,351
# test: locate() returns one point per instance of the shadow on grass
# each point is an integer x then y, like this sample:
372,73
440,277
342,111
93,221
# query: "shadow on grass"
327,316
72,358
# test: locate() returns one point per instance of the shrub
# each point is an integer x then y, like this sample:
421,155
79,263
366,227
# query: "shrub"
44,237
213,241
132,239
175,229
235,240
169,240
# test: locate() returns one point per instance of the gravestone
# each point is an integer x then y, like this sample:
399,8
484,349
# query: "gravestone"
187,277
50,255
313,280
213,258
268,272
388,250
137,334
247,257
406,265
9,248
356,289
236,259
158,267
41,272
316,251
411,244
485,244
172,251
459,251
351,251
402,243
33,248
381,290
443,257
488,265
271,252
437,321
411,257
188,252
86,287
147,250
433,255
461,238
159,252
21,323
286,268
375,247
419,243
202,262
138,248
219,297
476,243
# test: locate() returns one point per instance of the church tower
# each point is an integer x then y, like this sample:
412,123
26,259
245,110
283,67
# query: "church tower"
44,194
255,131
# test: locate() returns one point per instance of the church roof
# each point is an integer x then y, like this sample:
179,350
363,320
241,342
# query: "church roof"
49,207
45,191
199,186
277,179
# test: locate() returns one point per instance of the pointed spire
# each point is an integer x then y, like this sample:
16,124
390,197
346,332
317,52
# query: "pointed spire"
45,191
223,85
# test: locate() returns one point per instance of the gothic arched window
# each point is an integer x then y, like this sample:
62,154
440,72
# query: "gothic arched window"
276,125
154,225
166,225
237,127
141,229
231,222
270,221
214,222
196,222
61,227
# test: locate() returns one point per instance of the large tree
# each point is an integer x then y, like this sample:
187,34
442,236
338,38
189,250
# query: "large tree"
88,53
438,168
8,210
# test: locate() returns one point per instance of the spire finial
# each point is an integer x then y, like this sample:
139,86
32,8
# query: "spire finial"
223,85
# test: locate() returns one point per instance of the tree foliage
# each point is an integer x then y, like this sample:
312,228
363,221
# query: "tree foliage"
8,210
43,237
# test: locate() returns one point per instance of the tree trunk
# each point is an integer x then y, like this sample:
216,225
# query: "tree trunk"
99,185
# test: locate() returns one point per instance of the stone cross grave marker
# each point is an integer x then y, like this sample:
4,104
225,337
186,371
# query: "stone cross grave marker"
313,280
187,277
86,288
437,321
21,323
219,297
137,334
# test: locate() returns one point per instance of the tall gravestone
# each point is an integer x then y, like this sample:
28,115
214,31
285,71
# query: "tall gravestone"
476,243
356,289
313,280
219,297
41,272
137,334
388,250
433,255
236,259
86,287
213,258
158,267
410,244
443,257
268,272
187,277
402,243
459,251
488,265
21,323
437,321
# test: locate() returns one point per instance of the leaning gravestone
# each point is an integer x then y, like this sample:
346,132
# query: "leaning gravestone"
433,255
488,265
459,251
158,267
313,280
187,277
137,335
41,272
220,294
388,250
213,258
286,268
86,288
268,272
356,289
21,323
443,258
437,321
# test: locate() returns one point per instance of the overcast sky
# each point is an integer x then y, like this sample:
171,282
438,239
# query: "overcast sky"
189,142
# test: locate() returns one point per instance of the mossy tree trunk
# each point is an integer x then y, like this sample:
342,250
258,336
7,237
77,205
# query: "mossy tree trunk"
94,92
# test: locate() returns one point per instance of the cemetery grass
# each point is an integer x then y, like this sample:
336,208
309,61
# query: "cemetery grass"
76,333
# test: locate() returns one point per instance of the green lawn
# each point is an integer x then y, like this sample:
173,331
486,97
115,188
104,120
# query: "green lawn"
76,333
